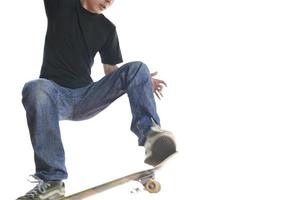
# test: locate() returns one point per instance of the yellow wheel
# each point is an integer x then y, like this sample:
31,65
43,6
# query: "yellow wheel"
152,186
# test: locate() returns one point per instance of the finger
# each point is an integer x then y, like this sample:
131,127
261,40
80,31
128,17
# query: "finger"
161,82
157,82
159,91
161,94
157,95
165,84
154,73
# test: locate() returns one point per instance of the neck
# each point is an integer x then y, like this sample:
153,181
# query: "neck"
90,7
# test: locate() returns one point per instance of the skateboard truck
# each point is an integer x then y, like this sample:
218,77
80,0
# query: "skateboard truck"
149,183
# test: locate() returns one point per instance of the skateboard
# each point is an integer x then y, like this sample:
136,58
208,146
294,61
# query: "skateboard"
145,177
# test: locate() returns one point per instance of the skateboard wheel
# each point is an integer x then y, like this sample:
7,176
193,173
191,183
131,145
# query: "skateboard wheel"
152,186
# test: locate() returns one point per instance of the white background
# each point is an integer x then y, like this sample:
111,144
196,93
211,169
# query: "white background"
233,100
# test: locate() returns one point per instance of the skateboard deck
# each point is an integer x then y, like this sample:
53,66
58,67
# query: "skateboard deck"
145,177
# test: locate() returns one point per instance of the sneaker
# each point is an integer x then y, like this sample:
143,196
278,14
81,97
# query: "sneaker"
159,145
51,190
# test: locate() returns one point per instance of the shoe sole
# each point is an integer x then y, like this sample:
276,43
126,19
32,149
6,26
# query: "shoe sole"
162,148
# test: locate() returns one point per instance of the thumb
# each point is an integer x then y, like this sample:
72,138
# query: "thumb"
154,73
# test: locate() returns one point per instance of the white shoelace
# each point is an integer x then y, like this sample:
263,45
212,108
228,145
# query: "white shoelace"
40,188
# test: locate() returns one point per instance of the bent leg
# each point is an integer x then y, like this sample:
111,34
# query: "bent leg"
142,102
132,78
40,102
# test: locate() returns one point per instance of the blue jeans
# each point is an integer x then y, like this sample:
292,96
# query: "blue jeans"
46,103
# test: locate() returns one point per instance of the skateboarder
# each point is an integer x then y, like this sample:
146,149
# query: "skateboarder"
77,31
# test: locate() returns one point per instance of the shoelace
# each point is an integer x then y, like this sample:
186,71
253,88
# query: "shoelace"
41,187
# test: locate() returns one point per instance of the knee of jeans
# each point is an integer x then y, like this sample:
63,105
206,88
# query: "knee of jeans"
139,69
36,89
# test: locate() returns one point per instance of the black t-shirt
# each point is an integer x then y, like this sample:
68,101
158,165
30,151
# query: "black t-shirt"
74,36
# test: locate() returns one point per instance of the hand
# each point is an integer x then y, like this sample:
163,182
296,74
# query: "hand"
157,85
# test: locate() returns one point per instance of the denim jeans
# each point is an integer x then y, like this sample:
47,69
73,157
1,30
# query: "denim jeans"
46,103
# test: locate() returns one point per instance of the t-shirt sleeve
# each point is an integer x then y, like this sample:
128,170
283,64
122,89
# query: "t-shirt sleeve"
111,52
51,6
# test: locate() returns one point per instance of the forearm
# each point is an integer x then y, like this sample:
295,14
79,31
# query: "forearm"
109,68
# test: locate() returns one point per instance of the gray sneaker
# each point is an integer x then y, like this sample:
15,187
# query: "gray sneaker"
159,145
51,190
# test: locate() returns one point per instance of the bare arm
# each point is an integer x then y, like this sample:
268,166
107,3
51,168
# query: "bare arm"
109,68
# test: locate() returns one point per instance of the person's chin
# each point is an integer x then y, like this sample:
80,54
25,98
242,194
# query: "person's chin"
102,8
